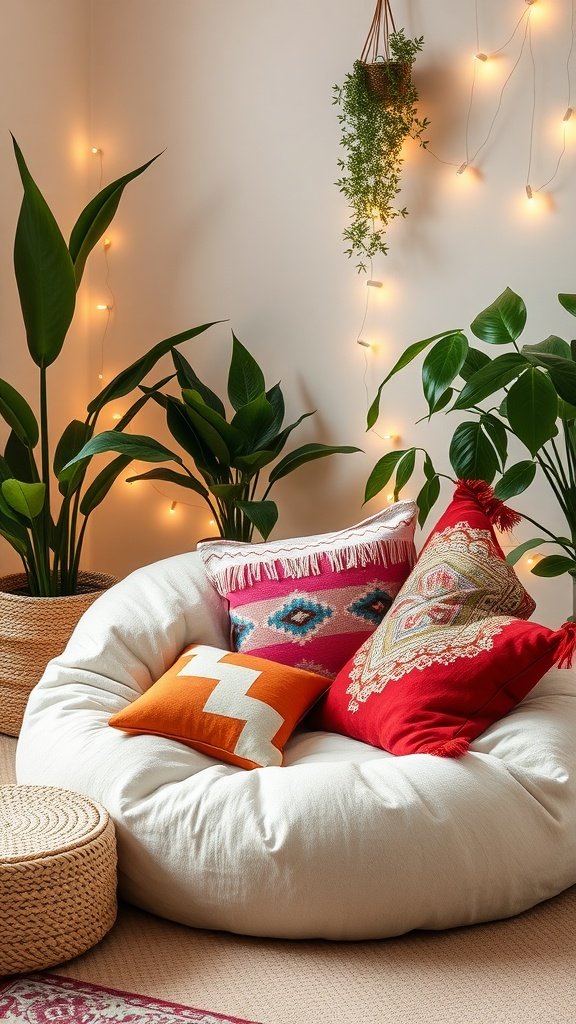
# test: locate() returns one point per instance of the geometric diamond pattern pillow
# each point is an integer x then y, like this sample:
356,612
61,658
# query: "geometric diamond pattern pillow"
233,707
453,654
310,602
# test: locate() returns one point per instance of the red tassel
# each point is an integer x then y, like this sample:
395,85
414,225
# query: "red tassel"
502,517
452,748
565,652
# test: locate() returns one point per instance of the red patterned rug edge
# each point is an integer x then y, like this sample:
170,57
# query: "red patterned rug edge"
64,983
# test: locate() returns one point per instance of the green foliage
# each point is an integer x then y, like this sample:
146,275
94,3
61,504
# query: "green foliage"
372,136
228,455
48,271
528,393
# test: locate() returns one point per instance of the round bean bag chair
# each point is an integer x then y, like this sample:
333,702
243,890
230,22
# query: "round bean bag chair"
344,841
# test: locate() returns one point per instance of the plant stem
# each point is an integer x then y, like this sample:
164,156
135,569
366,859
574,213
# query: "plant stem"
46,518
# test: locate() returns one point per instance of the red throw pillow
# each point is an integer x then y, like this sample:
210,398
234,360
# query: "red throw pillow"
453,654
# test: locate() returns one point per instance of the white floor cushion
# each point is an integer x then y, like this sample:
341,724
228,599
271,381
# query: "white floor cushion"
344,841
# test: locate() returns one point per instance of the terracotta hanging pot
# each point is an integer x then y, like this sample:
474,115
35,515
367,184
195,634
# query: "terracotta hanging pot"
32,631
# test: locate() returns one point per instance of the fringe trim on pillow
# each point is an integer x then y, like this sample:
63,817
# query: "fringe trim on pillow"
385,552
565,652
502,517
452,748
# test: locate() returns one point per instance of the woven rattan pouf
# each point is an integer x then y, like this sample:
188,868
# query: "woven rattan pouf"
57,876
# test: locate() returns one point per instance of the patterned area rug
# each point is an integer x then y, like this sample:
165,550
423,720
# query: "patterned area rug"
48,998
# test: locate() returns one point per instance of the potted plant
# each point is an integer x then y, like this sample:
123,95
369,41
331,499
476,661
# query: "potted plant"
229,455
45,507
528,393
378,113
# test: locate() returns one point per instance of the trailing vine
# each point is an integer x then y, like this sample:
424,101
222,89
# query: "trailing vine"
372,134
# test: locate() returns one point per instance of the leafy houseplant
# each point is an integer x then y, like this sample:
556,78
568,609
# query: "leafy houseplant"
527,393
375,121
48,274
228,454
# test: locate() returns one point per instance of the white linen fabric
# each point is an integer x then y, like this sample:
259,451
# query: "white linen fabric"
343,842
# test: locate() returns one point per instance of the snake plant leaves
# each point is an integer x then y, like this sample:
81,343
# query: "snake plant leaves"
137,446
382,472
503,321
533,409
44,272
96,217
245,378
554,565
495,375
307,453
528,545
187,378
15,410
134,374
515,480
407,357
100,486
472,454
262,514
568,300
25,498
442,364
170,476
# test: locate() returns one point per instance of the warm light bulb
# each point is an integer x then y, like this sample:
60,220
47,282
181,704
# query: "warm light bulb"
483,57
106,243
96,151
364,344
100,376
172,508
374,284
534,559
529,192
462,168
389,497
390,437
568,114
116,416
102,306
212,522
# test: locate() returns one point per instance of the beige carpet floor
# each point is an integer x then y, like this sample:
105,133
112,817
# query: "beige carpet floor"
520,971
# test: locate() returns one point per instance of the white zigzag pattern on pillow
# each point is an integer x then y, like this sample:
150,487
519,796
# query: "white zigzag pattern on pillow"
229,698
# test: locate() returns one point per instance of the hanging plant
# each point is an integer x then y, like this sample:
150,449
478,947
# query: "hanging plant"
378,112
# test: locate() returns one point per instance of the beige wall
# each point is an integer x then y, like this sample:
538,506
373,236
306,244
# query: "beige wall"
240,219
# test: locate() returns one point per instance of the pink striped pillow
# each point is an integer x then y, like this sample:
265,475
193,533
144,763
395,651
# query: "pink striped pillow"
310,602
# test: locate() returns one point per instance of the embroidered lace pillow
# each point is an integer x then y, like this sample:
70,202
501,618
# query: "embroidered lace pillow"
453,654
235,708
311,602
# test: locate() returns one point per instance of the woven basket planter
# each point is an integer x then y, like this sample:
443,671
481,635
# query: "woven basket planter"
32,631
57,876
388,81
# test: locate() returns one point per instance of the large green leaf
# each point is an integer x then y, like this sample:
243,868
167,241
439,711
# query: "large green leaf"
279,442
232,437
472,455
170,476
184,432
562,373
533,409
498,435
307,453
254,462
44,272
188,378
134,374
253,422
20,458
262,514
15,410
427,498
568,300
211,437
100,486
475,360
73,438
407,356
554,565
382,472
404,471
137,446
26,499
515,480
245,378
96,217
503,321
442,364
490,378
516,554
552,344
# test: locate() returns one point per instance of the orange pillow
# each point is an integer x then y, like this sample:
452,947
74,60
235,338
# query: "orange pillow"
233,707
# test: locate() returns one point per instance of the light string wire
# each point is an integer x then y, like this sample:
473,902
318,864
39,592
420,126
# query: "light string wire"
109,306
569,97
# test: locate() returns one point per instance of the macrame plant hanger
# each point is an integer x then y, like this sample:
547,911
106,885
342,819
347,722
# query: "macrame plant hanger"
386,78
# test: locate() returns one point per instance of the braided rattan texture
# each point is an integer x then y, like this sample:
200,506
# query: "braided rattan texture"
32,631
57,876
387,80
